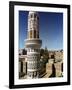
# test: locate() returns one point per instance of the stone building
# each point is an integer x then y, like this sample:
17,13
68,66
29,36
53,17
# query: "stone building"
33,44
42,67
22,65
58,56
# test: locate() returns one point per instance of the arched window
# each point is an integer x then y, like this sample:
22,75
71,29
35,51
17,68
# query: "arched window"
35,15
34,33
30,33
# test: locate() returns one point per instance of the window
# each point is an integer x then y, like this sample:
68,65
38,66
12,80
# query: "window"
52,56
35,15
34,33
31,34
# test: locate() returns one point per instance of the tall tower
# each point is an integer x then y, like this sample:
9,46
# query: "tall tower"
33,44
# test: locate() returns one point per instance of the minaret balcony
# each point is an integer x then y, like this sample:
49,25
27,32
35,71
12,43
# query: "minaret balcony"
34,43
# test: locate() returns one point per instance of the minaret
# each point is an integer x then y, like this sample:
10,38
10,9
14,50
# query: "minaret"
33,44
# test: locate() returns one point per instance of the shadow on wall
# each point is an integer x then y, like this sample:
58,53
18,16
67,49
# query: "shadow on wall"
53,71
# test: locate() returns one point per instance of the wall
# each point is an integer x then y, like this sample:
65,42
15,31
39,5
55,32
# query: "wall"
4,44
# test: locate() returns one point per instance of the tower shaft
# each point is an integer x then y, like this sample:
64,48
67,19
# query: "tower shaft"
33,44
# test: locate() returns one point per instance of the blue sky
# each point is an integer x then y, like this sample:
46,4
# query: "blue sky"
50,29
